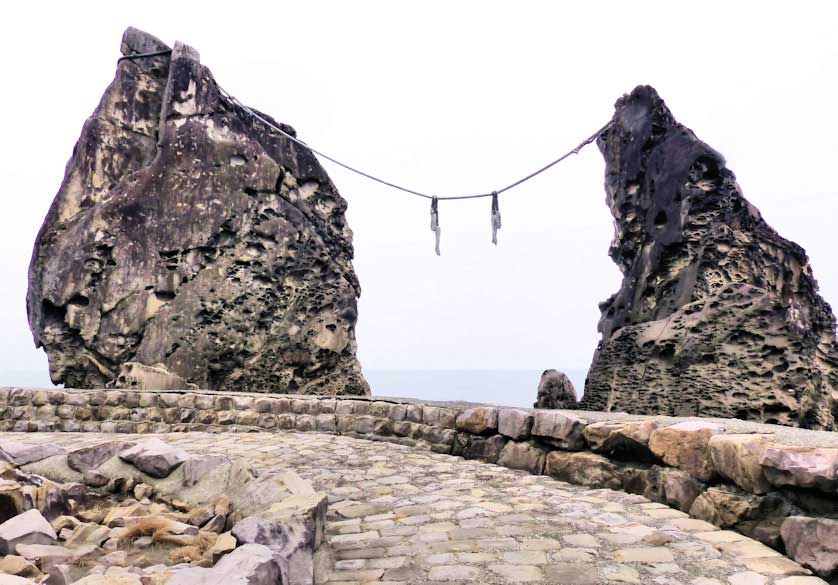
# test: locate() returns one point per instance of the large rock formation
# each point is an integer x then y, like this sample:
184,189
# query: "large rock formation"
189,235
717,314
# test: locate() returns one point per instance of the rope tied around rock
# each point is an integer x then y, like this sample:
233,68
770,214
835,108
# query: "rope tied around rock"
496,219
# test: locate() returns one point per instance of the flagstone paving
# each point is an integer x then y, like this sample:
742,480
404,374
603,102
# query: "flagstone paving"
399,515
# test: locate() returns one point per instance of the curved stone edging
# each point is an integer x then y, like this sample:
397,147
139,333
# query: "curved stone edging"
774,484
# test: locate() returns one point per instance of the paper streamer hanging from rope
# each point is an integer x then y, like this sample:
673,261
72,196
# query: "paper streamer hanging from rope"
495,218
435,222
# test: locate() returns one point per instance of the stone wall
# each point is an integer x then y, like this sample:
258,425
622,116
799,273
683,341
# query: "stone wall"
775,484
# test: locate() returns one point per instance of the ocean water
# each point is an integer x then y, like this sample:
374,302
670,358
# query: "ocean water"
502,387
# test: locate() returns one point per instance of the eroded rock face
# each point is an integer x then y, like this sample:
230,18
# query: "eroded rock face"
717,315
189,237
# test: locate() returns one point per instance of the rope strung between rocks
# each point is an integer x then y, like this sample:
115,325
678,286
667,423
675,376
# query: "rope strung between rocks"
435,199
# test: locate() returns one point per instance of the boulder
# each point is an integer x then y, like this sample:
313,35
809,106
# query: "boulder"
479,421
515,424
804,467
224,544
292,543
192,238
627,440
673,487
21,454
717,314
48,498
197,466
812,542
15,565
29,527
737,458
587,469
555,390
88,458
250,564
517,455
561,430
154,457
684,445
759,517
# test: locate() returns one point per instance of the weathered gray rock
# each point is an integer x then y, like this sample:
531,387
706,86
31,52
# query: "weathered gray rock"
555,390
250,564
188,234
516,455
20,454
197,466
154,457
717,315
92,457
737,458
812,542
805,467
292,543
622,439
27,528
561,430
685,445
587,469
515,424
95,478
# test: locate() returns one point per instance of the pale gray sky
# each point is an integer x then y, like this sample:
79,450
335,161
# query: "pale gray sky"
450,97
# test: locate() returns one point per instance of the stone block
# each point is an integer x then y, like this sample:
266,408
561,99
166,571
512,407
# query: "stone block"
804,467
685,446
470,446
737,458
518,455
564,431
812,542
436,416
588,469
627,440
480,420
515,424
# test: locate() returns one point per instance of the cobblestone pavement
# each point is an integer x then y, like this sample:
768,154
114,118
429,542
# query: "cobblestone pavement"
398,515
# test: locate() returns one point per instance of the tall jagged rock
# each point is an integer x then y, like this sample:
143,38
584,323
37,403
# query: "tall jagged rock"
189,236
717,314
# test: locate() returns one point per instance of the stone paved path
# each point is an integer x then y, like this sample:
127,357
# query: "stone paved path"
404,516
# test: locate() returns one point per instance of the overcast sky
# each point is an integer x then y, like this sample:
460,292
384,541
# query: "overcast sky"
453,97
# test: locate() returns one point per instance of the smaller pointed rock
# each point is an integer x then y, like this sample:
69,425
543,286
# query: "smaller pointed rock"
555,390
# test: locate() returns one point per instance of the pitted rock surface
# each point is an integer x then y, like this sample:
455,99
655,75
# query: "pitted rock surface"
195,243
401,515
717,314
555,390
